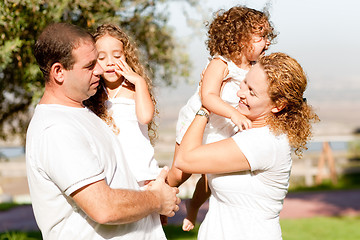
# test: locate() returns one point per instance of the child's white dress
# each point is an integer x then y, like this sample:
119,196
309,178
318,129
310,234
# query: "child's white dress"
219,127
133,136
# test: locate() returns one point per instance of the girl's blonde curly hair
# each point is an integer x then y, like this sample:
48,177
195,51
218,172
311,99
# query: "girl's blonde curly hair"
231,32
97,102
287,83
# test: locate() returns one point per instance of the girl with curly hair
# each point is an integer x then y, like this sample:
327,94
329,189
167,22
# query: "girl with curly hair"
236,39
124,100
249,172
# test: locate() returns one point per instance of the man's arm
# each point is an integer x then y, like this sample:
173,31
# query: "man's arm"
119,206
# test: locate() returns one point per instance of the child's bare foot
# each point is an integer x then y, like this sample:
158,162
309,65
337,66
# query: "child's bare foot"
189,221
187,225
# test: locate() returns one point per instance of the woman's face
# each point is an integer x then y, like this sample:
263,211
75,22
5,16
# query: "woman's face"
110,50
254,101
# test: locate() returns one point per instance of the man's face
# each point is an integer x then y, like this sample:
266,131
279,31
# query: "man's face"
81,82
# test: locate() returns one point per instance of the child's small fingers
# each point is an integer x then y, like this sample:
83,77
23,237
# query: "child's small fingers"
122,64
119,72
119,65
125,64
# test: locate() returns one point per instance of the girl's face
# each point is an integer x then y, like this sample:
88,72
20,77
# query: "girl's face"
110,50
258,46
254,101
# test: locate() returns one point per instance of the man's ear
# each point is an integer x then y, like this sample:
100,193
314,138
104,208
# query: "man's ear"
57,71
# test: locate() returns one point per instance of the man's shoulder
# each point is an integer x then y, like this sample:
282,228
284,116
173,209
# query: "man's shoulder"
47,115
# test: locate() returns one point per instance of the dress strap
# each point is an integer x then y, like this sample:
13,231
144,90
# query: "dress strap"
116,93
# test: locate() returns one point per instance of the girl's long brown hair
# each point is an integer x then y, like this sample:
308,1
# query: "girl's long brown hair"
97,102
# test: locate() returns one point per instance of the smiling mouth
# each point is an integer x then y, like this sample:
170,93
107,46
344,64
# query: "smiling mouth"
243,103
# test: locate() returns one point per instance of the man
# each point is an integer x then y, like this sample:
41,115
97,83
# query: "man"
80,184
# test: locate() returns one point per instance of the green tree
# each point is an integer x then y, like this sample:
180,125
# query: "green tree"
21,82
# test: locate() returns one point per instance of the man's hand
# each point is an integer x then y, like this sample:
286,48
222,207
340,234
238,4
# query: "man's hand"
166,195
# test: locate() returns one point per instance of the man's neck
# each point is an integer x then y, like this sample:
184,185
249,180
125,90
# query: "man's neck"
51,97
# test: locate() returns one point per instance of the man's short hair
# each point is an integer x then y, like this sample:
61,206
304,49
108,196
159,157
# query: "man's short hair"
56,43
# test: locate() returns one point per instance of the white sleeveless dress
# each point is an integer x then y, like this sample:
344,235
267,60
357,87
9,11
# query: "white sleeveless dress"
218,127
138,151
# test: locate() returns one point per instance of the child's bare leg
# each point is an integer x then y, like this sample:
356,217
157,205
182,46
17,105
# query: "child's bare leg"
201,194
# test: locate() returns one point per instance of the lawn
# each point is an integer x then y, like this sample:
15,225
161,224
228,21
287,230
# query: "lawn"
318,228
329,228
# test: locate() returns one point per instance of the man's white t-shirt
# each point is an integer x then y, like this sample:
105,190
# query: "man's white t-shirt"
66,149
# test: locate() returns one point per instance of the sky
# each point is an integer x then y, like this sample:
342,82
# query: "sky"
323,35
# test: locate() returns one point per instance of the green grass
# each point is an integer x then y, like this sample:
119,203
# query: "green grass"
175,232
7,206
329,228
16,235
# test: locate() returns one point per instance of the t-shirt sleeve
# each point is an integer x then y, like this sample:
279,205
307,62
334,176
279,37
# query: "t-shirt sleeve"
68,159
257,148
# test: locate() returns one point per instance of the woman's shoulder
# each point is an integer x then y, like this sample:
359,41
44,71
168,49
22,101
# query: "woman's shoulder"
260,135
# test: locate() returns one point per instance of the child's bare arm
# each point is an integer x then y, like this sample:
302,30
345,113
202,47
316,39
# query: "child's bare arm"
210,94
176,177
144,105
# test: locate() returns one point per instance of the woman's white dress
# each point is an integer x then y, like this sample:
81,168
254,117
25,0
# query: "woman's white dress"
246,205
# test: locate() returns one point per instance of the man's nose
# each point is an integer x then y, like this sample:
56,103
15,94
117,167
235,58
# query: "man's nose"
98,70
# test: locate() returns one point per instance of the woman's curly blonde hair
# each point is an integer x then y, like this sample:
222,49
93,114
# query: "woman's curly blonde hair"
97,102
231,32
287,83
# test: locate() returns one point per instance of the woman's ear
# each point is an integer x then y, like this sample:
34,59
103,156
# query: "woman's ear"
278,106
57,71
277,109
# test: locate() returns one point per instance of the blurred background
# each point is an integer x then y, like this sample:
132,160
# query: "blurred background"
323,35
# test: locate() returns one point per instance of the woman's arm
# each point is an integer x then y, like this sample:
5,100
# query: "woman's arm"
144,105
212,82
220,157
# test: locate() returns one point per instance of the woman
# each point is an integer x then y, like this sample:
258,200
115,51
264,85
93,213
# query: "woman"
249,173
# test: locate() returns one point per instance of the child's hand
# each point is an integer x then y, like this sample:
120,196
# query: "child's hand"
126,71
242,122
